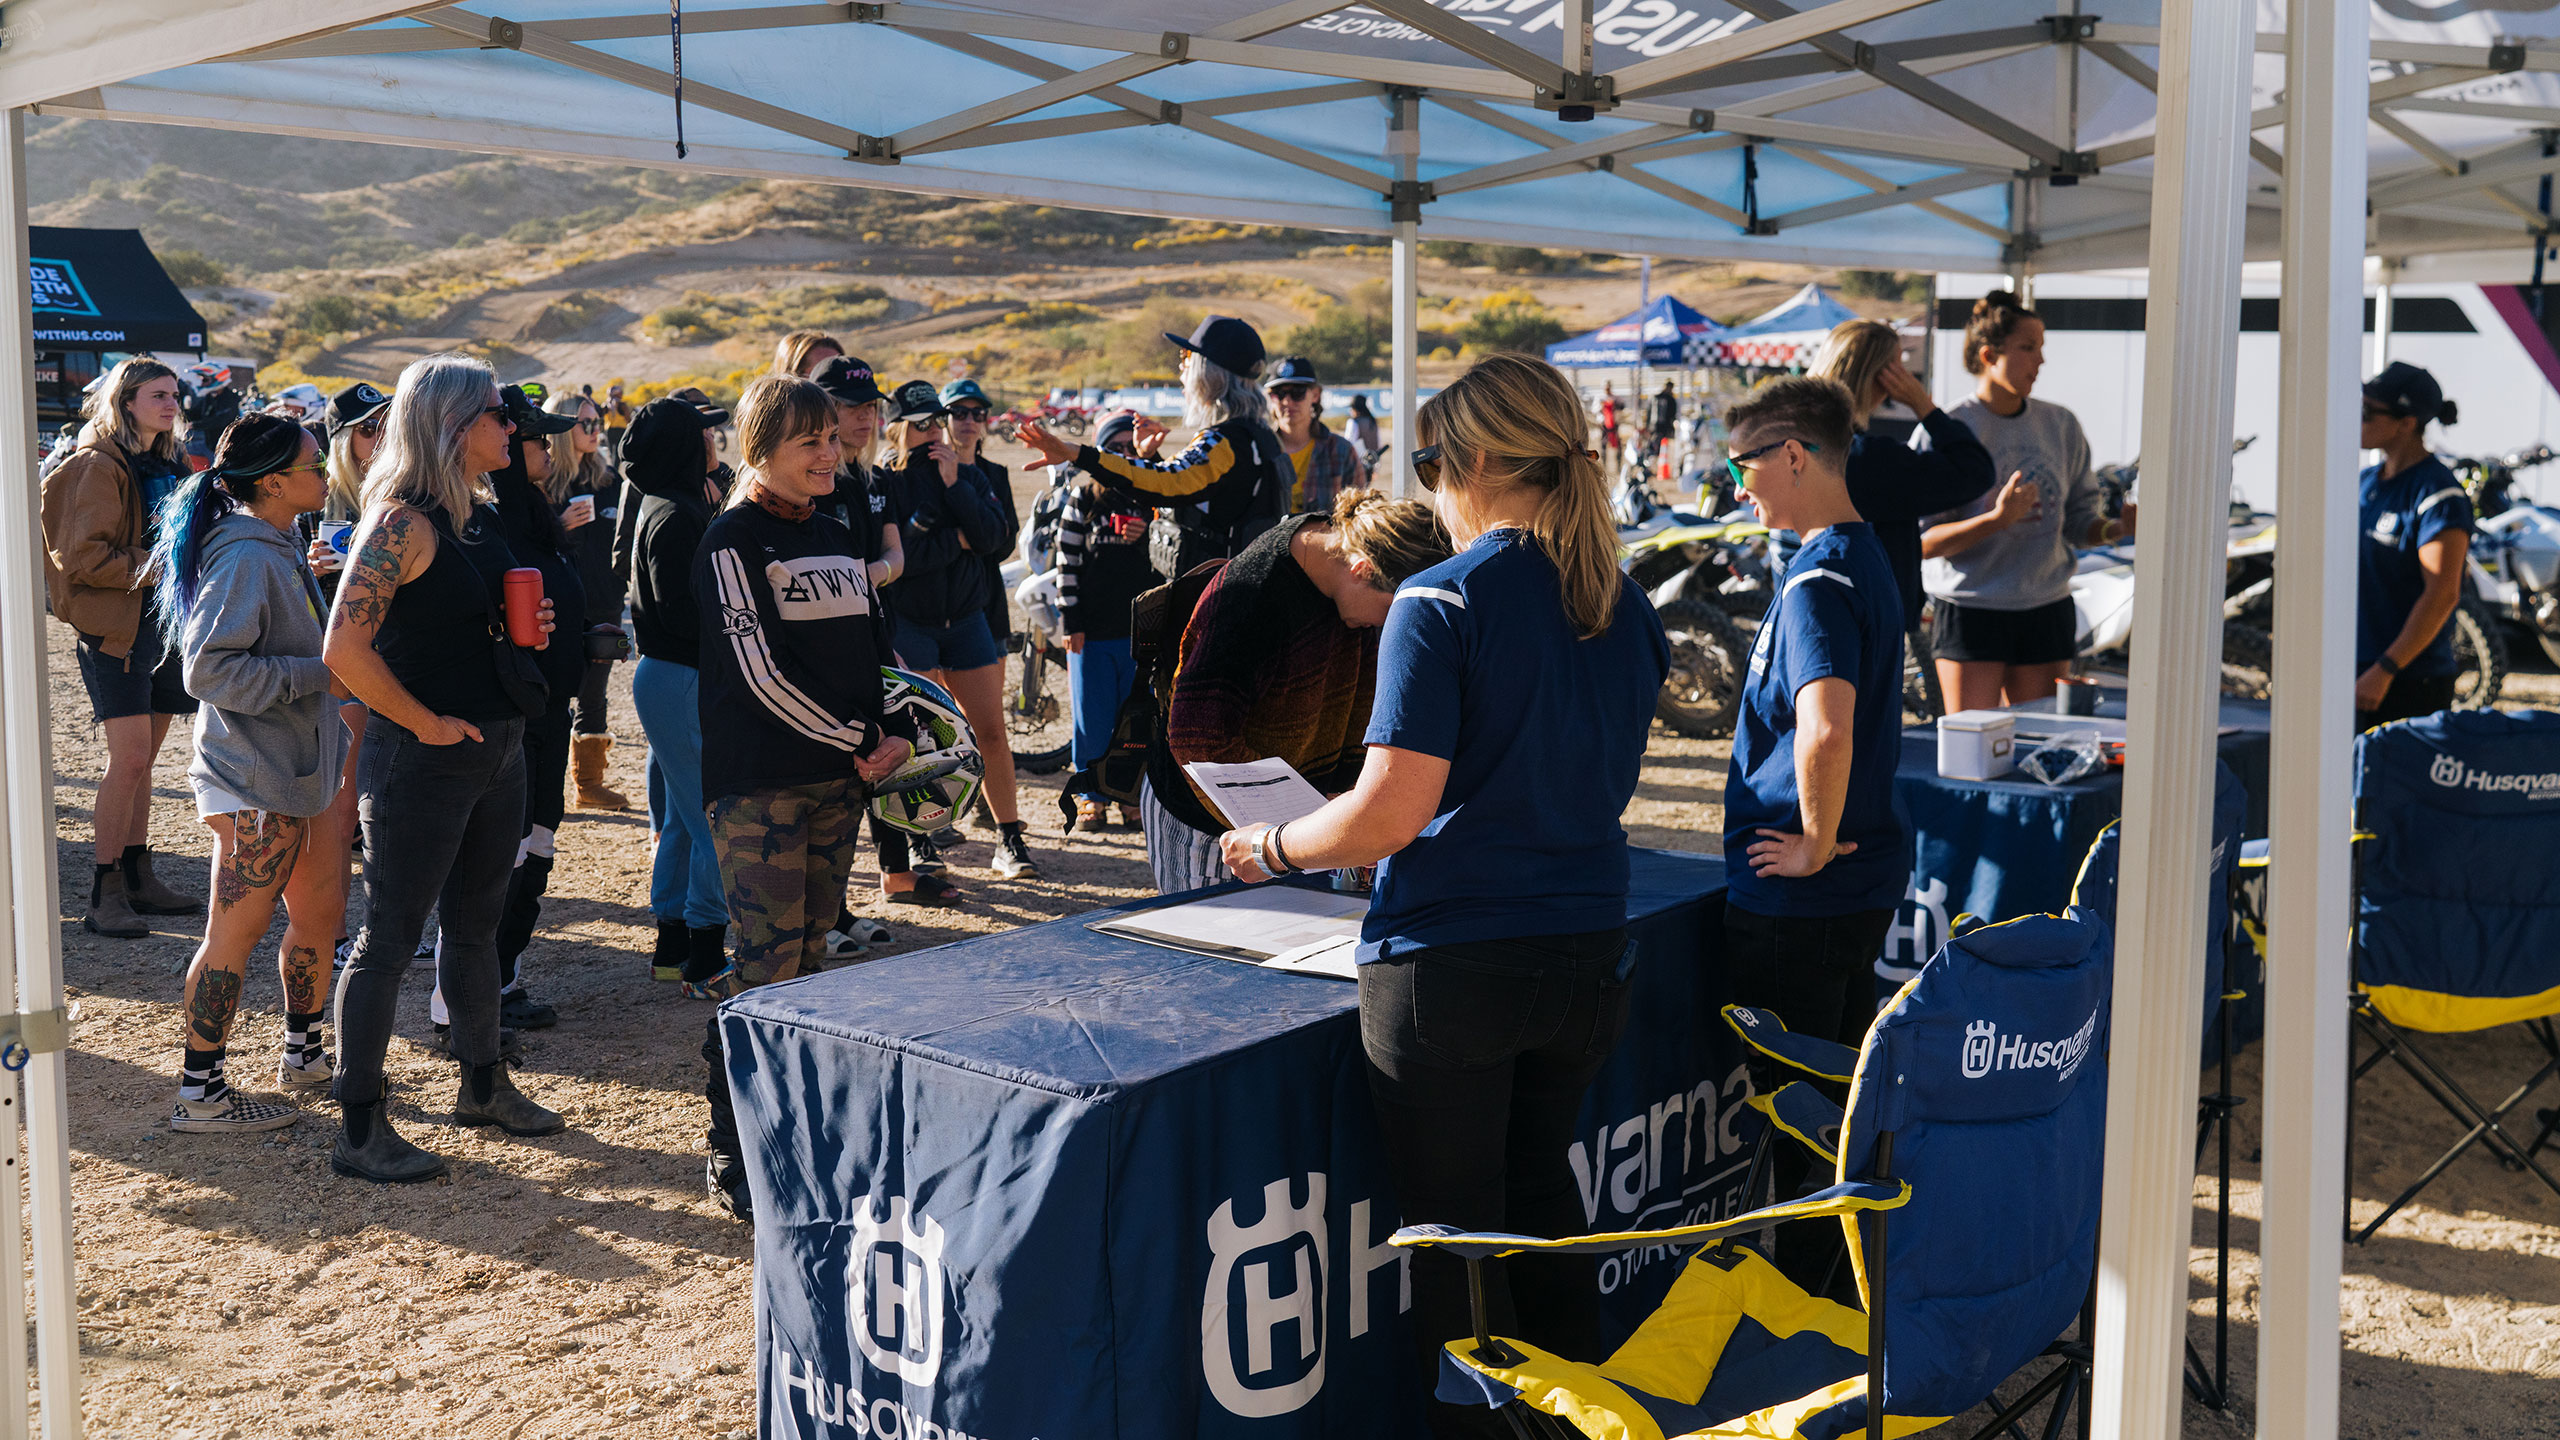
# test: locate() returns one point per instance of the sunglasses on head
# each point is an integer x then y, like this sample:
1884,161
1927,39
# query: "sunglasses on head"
1733,463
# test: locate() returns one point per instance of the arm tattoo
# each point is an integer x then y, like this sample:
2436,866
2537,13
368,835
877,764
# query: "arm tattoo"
261,856
215,1000
373,576
304,972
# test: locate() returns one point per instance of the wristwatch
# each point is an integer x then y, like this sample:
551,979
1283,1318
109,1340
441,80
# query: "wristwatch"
2387,665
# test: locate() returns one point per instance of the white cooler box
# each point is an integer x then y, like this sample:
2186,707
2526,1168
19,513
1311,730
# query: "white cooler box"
1977,744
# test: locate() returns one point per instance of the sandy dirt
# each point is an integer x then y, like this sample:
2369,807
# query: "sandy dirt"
231,1286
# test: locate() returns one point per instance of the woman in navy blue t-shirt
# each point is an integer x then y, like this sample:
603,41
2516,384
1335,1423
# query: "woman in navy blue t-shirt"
2414,521
1516,684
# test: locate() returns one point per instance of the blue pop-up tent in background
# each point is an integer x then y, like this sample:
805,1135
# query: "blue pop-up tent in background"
1657,334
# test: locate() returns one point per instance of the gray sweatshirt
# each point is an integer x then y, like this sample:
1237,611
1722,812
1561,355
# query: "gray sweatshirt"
2028,564
269,732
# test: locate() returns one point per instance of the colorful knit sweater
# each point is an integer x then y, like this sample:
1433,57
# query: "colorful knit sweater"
1266,668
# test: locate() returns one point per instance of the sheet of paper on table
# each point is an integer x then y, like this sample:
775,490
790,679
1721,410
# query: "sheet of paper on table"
1280,927
1257,792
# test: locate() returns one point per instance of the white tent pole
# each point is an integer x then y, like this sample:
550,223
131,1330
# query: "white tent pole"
26,761
2310,807
2382,316
2189,362
14,1390
1404,148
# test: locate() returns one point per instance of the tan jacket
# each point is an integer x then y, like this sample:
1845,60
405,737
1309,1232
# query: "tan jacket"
95,563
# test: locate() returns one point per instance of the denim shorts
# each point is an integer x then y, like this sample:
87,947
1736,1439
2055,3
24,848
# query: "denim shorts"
964,644
145,682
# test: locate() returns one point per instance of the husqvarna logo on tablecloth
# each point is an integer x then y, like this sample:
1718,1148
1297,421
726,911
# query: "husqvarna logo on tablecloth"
896,1269
1266,1290
2450,772
1986,1050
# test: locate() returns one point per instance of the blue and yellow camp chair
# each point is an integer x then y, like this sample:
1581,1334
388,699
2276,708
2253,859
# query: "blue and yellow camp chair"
2095,890
2457,924
1975,1124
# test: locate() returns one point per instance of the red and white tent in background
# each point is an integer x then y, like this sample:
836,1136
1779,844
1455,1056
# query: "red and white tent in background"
1781,339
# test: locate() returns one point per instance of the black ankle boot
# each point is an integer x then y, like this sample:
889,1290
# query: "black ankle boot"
667,962
369,1149
487,1096
706,953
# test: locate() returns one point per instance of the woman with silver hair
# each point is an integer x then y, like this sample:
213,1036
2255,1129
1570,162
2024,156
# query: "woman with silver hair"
443,784
1232,482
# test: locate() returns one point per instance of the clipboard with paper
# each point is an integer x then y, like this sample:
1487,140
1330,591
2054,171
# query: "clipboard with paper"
1278,927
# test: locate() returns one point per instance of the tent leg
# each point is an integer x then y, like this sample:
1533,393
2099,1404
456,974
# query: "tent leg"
1404,145
26,761
2304,1120
2189,364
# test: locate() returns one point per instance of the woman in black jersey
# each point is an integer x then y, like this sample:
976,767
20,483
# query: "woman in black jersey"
791,661
442,792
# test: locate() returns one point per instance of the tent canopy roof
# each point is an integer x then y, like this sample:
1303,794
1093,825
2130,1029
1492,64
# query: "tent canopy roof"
1652,334
1810,309
1908,134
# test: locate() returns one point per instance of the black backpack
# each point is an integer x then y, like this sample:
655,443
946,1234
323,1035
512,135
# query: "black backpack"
1183,537
1157,619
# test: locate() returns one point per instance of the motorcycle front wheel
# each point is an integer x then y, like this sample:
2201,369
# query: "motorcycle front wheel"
2479,656
1703,692
1038,719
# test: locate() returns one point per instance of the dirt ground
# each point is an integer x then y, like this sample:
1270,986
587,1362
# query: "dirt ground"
581,1285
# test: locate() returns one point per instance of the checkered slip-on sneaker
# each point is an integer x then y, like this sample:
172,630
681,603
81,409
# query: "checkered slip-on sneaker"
234,1112
322,1069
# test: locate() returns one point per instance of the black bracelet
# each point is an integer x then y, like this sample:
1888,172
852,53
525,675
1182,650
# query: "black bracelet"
1279,855
2386,664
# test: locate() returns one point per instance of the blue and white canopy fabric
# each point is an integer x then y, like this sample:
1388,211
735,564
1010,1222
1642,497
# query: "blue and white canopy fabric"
1906,134
1787,335
1663,332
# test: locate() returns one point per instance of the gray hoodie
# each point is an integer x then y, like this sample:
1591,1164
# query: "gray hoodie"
269,733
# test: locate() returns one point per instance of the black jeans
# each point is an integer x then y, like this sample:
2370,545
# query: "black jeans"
2409,697
546,779
1817,973
1478,1057
591,697
441,824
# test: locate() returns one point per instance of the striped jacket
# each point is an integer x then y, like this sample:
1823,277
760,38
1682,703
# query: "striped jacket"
791,655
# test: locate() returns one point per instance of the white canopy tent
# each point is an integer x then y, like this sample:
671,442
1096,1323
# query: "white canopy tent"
1954,135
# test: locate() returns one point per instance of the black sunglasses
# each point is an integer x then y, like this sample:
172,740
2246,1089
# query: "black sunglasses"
2376,412
1733,463
1426,466
971,412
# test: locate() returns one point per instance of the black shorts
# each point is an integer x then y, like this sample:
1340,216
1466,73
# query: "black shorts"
2041,636
145,682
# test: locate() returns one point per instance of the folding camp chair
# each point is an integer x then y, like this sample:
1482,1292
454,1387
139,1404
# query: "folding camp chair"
2095,890
1975,1125
2457,925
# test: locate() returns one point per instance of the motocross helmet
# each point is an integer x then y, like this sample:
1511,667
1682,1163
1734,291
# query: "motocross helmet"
934,788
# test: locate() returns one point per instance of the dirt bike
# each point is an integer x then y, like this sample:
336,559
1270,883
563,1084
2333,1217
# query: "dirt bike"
1039,712
2513,570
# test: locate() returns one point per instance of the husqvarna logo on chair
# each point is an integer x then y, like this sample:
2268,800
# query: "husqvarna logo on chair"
1977,1049
897,1291
1262,1312
2450,772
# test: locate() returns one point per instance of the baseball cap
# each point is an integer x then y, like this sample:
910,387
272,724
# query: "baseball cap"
964,392
849,380
532,422
1226,342
1291,370
917,400
2407,390
355,405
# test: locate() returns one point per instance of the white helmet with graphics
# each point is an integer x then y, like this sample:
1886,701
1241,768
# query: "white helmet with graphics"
935,787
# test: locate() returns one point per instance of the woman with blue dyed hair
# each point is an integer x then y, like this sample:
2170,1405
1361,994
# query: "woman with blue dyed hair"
240,607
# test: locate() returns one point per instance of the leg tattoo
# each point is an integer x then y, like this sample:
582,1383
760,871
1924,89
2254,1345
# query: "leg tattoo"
262,854
215,1001
304,974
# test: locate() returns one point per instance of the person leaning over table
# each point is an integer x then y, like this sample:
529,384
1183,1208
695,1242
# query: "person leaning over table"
1816,856
2415,521
791,661
1516,684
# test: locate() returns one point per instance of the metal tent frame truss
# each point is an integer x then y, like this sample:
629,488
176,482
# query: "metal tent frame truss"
1982,135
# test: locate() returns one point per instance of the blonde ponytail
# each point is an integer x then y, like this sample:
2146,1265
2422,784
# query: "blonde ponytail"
1511,421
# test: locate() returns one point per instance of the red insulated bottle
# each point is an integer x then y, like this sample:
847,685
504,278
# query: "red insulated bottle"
524,605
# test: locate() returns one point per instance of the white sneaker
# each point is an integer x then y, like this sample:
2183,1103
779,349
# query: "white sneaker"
322,1069
233,1111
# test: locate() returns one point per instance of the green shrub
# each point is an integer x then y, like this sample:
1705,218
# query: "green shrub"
1512,320
193,268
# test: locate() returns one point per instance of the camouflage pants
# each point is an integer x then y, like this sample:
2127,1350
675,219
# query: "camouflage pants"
783,858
